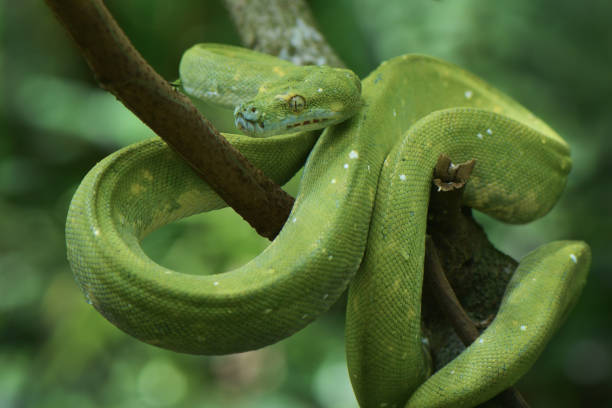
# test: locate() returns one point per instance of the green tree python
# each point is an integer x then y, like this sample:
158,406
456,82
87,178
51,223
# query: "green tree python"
359,218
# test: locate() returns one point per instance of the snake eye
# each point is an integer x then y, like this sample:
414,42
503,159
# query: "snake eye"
297,103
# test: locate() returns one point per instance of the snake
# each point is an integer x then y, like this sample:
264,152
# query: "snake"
368,149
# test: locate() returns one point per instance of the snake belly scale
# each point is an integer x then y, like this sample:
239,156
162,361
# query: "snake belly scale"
359,218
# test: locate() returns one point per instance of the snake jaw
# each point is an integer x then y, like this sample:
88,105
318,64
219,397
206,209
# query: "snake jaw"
317,122
249,120
249,126
257,128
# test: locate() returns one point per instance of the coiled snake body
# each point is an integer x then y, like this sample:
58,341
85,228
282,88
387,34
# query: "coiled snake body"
359,218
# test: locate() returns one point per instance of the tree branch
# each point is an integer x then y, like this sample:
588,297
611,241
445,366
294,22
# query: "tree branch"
282,28
451,179
463,325
121,70
445,295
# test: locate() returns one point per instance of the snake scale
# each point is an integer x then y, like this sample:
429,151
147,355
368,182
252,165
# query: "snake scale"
358,221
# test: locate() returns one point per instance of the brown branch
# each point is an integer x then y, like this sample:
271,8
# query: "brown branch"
121,70
454,177
445,296
461,322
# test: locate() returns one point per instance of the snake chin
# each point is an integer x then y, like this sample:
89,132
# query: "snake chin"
254,128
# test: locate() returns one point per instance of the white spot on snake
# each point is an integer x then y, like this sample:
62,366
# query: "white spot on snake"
330,257
479,135
294,219
489,131
452,371
402,177
333,181
425,340
394,113
346,165
353,154
368,167
573,258
481,341
168,272
95,231
215,283
523,328
320,90
325,296
267,311
305,316
468,94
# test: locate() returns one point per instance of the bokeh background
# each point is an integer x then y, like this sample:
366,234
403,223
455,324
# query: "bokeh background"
555,56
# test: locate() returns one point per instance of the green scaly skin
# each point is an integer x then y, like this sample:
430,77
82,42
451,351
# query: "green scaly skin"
359,217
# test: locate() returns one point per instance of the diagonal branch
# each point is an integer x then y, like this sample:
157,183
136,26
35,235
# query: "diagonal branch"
463,325
121,70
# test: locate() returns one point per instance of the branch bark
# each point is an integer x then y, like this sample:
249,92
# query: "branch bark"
282,28
463,325
453,227
121,70
445,295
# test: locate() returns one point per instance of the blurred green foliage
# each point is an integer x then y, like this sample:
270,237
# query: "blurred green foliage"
56,351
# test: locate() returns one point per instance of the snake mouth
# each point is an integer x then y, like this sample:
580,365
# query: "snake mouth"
251,127
308,122
257,128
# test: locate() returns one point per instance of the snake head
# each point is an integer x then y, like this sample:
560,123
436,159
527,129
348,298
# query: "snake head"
310,98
